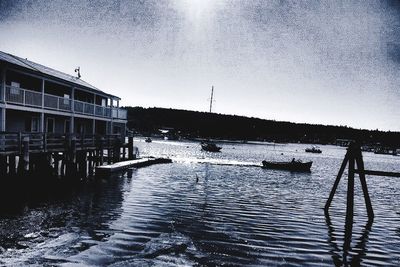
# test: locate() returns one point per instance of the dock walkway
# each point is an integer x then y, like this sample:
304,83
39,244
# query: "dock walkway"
136,163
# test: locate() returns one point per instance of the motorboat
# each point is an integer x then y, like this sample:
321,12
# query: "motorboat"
313,149
294,165
210,147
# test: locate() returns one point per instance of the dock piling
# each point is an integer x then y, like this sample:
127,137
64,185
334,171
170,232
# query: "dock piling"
67,155
130,148
25,157
11,165
3,166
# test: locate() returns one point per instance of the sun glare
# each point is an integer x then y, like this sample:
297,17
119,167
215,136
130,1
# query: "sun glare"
196,9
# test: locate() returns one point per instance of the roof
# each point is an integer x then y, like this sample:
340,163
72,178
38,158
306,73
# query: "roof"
27,64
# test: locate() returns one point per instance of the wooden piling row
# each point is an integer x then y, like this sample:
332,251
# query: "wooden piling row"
73,159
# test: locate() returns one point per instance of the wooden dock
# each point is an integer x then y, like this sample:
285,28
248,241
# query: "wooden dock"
71,155
136,163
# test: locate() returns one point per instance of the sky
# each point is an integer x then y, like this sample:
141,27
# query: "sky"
320,62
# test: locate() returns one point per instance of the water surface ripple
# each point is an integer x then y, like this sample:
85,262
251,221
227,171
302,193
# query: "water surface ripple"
217,209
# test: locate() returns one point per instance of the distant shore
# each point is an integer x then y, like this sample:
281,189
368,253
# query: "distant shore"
194,125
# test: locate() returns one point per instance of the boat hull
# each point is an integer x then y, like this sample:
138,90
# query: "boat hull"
288,166
210,147
317,151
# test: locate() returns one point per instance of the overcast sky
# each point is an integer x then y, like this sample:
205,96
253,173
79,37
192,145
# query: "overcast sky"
325,62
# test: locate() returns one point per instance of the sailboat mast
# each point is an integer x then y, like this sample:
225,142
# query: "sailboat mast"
211,100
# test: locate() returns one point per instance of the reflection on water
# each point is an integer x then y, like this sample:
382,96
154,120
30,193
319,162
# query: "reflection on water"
211,209
348,255
68,219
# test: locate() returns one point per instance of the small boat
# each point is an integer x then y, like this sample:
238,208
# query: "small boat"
148,140
293,166
313,149
210,147
385,151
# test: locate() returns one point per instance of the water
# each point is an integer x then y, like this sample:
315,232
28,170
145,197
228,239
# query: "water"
236,214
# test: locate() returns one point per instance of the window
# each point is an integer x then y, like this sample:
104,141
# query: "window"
104,102
50,125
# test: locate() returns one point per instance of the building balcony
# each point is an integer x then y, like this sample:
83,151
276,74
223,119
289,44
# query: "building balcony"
24,97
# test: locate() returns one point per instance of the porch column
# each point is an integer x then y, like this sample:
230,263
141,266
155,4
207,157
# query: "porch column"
43,93
3,84
111,130
2,119
72,123
42,113
94,127
42,129
108,127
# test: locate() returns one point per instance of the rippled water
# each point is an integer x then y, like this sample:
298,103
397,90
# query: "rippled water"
236,214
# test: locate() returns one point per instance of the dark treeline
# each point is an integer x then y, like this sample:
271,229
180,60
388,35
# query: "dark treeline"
194,124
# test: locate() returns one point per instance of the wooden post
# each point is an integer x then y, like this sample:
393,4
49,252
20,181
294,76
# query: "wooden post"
20,143
44,142
63,164
124,152
117,150
354,157
71,165
91,155
25,145
350,203
335,185
56,161
3,166
73,154
109,151
130,147
83,164
11,165
360,166
101,151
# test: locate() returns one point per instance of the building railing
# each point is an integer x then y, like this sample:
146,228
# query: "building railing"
12,142
16,95
119,113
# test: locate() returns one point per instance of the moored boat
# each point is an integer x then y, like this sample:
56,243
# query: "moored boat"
294,166
385,151
313,149
210,147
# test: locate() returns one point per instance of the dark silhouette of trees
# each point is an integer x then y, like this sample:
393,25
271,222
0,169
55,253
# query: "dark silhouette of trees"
194,124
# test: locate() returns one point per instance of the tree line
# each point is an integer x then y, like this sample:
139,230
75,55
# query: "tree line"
195,124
